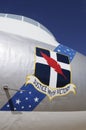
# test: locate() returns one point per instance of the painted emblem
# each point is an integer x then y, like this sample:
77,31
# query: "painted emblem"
52,74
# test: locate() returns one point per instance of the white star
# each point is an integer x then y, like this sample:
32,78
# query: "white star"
68,50
21,92
22,107
18,101
29,106
30,92
36,99
59,50
26,98
14,109
8,105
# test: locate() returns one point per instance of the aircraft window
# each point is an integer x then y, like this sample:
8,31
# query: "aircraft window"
14,16
1,14
30,21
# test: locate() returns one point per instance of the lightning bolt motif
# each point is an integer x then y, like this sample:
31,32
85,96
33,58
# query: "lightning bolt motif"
54,64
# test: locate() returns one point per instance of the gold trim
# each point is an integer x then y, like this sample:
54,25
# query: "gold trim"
52,89
59,88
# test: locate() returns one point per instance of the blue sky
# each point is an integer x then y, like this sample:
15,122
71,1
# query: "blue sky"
66,19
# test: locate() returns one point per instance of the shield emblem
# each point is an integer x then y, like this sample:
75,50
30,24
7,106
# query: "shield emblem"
52,69
52,75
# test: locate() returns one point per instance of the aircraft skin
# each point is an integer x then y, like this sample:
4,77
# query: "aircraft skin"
26,100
